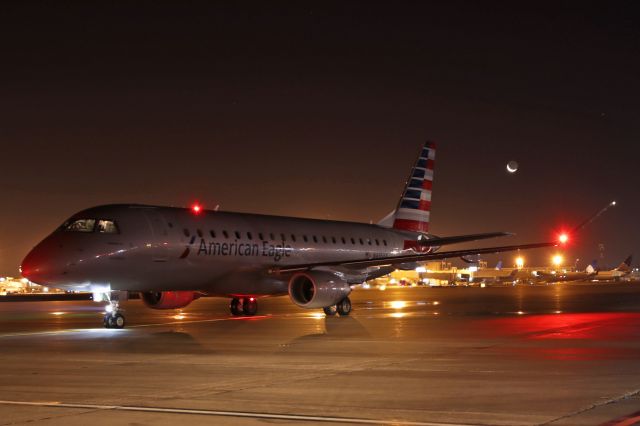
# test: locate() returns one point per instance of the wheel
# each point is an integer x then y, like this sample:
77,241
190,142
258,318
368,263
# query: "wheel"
117,320
344,306
107,321
330,310
249,306
235,307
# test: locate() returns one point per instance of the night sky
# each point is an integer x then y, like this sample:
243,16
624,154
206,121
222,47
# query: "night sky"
318,109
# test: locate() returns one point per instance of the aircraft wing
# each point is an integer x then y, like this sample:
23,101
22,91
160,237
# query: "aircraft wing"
418,257
437,241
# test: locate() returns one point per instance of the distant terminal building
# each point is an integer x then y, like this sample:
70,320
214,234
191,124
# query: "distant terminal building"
11,285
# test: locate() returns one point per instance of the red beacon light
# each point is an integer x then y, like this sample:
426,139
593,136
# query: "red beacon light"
563,238
196,208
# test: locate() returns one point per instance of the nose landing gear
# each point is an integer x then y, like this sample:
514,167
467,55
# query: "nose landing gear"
113,317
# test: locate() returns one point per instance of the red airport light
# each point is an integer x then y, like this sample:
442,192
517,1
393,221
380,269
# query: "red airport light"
563,238
196,208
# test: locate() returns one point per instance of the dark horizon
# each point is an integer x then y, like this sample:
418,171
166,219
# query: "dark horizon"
319,109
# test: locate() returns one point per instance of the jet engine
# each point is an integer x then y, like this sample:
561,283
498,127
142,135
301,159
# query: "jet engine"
168,299
317,289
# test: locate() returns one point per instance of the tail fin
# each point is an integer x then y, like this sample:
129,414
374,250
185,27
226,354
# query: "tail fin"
590,269
626,265
499,265
412,213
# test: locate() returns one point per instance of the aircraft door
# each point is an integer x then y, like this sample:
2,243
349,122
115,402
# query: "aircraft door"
160,243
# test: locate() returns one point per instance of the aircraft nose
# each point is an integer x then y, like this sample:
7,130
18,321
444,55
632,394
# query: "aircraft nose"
29,267
34,266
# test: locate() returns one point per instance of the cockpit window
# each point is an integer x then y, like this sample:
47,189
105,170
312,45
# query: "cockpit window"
81,225
107,227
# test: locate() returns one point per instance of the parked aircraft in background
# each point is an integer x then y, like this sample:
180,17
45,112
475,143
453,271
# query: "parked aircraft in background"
556,276
172,256
496,275
591,273
616,274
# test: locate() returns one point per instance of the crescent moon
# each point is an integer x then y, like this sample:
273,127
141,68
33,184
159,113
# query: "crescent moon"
510,170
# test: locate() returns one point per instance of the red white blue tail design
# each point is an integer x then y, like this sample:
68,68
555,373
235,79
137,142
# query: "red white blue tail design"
414,208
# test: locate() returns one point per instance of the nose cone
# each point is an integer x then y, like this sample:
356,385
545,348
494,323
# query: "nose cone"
37,263
30,266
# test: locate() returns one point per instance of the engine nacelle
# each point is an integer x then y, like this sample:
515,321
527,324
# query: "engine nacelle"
317,289
168,299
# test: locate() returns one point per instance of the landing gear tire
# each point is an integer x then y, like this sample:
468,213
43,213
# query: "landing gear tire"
235,307
330,310
117,320
344,307
249,306
107,321
114,320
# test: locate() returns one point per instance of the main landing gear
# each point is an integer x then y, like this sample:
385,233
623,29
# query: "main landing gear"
343,308
247,306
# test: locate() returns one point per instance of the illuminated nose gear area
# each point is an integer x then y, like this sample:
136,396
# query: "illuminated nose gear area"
113,317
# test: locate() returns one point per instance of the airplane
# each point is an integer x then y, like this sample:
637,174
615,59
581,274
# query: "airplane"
172,256
616,274
495,276
557,276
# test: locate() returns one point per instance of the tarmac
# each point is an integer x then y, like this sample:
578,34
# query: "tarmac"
566,354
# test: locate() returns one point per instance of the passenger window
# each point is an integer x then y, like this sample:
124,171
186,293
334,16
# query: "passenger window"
361,243
226,234
260,235
369,241
212,233
304,237
384,242
199,233
353,241
333,240
282,237
186,232
249,235
324,239
237,234
273,237
107,227
293,238
315,240
377,242
343,240
81,225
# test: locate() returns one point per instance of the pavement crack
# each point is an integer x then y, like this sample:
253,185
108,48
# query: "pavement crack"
593,406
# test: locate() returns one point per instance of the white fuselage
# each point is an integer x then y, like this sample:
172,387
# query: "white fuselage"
218,253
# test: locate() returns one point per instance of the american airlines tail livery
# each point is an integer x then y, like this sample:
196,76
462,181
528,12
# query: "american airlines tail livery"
172,256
